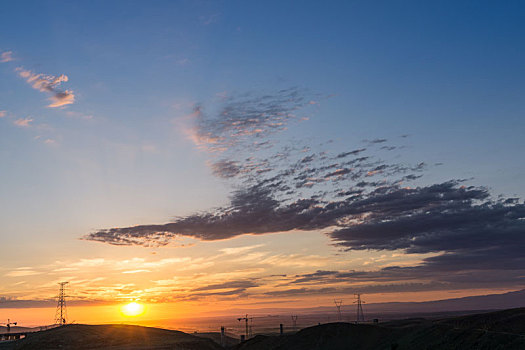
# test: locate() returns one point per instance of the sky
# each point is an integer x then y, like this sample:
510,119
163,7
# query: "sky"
204,156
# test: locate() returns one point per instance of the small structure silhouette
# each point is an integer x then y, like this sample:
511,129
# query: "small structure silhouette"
8,325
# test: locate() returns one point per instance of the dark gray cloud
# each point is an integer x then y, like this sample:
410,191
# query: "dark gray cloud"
370,288
226,168
375,141
360,200
351,153
475,236
300,291
244,284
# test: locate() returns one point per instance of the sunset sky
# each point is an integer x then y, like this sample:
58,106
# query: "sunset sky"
204,156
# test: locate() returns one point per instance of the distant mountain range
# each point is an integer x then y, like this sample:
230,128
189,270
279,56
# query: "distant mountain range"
483,302
476,303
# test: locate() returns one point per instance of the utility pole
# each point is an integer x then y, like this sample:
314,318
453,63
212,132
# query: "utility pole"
338,304
360,315
61,312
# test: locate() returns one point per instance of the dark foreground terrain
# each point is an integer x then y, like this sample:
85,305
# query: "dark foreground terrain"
491,331
111,337
495,330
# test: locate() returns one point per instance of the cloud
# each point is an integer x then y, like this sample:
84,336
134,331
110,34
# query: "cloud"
62,98
209,19
49,84
21,273
240,250
469,232
23,122
375,141
241,120
360,201
3,114
226,168
6,56
50,142
243,284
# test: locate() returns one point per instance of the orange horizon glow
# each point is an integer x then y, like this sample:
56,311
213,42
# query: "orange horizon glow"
173,314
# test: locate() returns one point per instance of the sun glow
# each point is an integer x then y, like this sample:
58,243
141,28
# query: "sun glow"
132,309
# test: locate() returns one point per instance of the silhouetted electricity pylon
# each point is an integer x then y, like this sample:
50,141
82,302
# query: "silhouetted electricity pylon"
61,312
338,304
360,315
294,322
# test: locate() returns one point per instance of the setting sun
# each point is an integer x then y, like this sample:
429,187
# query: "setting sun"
132,309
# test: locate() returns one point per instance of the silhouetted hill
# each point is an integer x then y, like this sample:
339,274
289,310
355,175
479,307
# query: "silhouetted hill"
15,329
111,337
496,330
229,340
510,321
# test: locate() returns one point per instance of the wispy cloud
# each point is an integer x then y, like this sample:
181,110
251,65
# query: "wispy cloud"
23,122
22,272
3,114
209,19
50,84
6,56
243,119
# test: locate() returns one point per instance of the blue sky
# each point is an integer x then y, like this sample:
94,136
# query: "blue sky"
449,74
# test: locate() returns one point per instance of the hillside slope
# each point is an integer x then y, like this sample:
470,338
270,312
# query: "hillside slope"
503,330
111,337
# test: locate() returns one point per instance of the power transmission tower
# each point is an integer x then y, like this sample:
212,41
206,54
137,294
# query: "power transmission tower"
360,314
338,304
61,312
294,322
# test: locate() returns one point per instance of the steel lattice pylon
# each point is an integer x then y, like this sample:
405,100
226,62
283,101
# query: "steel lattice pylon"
360,314
338,304
61,312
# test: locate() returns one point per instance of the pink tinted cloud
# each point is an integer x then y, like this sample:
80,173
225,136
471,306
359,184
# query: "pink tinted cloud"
23,122
49,83
6,56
